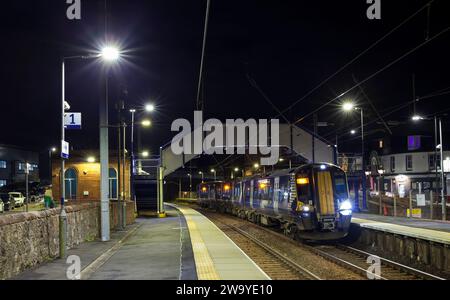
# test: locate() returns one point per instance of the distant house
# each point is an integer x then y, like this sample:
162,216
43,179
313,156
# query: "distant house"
414,171
13,161
82,177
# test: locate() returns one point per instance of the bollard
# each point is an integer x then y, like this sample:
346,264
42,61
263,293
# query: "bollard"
410,204
431,205
395,206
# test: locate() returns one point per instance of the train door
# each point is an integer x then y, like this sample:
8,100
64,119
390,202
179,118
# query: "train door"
251,190
247,193
276,194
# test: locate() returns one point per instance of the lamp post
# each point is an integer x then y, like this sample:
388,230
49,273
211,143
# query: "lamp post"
202,174
348,107
50,152
107,54
380,179
437,127
215,174
190,184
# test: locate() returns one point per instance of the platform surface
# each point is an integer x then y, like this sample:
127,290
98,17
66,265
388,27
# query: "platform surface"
151,249
436,231
217,257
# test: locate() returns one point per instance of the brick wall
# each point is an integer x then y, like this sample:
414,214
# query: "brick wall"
29,239
88,176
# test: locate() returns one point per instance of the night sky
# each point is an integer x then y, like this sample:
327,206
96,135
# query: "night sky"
287,47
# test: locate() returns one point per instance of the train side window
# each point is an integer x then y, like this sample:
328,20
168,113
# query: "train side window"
303,187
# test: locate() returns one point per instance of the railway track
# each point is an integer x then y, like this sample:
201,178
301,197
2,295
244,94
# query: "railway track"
347,257
275,264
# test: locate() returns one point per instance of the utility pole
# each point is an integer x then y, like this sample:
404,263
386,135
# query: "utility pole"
363,163
27,194
62,214
444,209
124,204
104,164
435,158
119,170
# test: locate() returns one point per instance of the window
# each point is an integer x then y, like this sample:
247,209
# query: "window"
340,184
409,163
113,187
2,164
380,144
392,164
71,183
2,183
432,161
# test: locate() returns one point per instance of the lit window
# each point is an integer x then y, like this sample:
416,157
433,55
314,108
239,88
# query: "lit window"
2,183
2,164
381,144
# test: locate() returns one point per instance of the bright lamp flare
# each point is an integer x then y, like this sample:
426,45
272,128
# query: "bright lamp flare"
110,53
149,107
146,123
348,106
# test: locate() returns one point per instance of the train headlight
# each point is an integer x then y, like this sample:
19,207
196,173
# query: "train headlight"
346,208
306,208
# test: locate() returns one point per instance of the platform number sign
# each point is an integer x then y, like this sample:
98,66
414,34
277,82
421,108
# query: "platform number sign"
72,120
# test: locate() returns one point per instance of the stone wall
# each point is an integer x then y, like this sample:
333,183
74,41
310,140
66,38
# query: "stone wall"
28,239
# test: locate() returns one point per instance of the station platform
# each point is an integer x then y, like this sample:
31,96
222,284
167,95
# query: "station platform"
183,246
430,230
216,256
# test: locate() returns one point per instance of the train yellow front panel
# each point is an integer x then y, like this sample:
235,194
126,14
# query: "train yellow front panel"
325,188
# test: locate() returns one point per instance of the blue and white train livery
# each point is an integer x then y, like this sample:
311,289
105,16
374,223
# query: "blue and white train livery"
309,202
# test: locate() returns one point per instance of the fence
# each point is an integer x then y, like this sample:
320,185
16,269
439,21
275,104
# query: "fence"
424,205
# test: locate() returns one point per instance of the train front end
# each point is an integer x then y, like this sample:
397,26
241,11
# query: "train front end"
323,207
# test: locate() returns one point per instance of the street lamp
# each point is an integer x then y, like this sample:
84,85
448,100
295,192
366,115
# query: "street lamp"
201,173
416,118
348,107
437,133
145,154
90,159
110,53
146,123
190,184
149,107
380,179
215,174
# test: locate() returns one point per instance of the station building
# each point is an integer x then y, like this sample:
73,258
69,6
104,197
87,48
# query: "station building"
82,177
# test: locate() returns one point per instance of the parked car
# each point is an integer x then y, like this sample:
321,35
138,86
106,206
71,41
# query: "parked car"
19,199
7,201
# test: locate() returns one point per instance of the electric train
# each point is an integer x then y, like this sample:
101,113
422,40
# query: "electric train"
310,202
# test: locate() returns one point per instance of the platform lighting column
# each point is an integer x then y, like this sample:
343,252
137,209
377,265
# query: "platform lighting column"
444,210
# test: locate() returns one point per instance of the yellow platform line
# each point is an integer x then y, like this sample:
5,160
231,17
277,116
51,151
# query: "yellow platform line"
203,262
